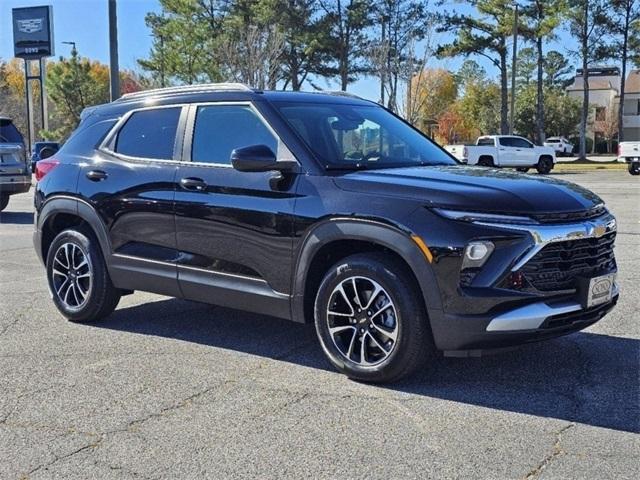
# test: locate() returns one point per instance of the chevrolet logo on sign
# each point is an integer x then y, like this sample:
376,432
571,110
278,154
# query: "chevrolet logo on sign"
31,25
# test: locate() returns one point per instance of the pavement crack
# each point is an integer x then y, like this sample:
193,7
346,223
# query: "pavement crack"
176,406
10,324
58,458
556,451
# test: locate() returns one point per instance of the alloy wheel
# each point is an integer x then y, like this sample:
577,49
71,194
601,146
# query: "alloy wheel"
72,276
362,321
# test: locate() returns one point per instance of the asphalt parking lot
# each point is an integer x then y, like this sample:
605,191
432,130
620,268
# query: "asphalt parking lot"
166,388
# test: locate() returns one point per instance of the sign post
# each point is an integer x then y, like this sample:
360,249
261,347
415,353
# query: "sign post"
33,40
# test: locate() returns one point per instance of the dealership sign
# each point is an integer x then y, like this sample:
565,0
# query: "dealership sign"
33,32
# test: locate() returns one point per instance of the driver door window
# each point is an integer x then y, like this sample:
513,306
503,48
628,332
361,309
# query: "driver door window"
220,129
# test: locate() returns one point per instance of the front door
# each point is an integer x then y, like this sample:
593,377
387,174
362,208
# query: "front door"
234,229
508,152
525,151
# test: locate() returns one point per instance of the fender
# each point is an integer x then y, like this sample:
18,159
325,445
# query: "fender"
391,237
80,208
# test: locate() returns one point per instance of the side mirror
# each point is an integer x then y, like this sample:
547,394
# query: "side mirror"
255,158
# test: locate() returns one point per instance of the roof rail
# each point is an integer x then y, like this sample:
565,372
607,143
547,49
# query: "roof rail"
340,93
204,87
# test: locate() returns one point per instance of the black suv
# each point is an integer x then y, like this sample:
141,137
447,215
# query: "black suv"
317,207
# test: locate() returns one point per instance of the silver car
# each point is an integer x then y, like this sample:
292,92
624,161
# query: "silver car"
15,171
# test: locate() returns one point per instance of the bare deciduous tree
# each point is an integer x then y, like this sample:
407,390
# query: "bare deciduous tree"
254,57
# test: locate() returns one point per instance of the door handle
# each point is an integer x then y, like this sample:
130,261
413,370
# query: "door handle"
193,183
97,175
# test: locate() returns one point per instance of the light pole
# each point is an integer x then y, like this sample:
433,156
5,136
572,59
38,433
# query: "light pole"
513,69
113,51
74,50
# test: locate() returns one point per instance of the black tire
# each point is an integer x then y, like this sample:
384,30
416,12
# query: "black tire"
486,162
413,343
522,169
4,201
101,297
634,168
545,165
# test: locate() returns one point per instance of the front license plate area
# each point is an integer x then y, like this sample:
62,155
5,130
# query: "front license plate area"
597,290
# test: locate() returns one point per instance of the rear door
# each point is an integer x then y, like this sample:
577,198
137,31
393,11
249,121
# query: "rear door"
130,181
234,229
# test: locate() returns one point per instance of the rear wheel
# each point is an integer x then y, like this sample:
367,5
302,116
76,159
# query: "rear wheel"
4,201
634,168
545,165
78,279
371,320
486,162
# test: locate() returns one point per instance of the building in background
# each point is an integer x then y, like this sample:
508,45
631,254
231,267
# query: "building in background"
631,108
604,98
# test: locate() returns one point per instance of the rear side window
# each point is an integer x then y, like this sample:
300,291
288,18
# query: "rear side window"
84,140
219,129
149,134
485,141
507,142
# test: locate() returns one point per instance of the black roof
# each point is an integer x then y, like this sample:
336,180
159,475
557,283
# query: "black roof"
218,92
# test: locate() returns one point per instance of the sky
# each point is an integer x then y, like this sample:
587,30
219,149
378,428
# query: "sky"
85,22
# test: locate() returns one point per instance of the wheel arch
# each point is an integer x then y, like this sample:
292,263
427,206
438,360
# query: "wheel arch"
349,236
490,158
61,212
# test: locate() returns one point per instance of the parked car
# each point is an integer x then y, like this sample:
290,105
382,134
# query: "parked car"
629,152
561,145
505,151
317,208
15,174
42,150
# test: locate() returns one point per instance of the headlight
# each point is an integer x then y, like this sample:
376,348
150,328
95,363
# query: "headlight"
484,217
476,254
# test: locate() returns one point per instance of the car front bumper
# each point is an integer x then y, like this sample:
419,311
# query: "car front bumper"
474,335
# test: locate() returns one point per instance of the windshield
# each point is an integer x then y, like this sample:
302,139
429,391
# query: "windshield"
356,136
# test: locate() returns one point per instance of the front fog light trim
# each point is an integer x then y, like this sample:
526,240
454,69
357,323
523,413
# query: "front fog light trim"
476,254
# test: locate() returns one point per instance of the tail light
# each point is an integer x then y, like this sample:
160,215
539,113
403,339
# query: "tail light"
465,152
45,166
619,150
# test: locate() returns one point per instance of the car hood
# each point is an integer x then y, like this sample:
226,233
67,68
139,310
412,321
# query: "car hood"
472,188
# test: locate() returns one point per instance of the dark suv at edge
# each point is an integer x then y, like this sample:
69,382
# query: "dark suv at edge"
317,207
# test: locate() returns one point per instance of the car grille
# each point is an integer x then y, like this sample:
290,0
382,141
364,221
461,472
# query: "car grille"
567,217
559,265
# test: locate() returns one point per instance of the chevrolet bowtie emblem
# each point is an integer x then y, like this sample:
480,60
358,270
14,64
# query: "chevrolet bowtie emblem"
599,231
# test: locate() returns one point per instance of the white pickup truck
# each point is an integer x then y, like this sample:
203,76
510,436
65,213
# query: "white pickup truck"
505,151
629,152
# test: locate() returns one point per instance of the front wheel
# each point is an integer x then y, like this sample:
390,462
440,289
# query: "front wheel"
4,201
634,168
371,320
545,165
78,279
